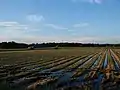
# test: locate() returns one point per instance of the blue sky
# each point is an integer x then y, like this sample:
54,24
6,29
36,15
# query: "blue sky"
84,21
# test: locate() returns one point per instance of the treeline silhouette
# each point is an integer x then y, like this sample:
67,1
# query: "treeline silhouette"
14,45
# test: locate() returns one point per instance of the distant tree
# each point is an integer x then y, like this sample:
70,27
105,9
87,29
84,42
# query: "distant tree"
12,45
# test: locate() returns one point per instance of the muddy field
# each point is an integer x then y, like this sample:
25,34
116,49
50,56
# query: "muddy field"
62,69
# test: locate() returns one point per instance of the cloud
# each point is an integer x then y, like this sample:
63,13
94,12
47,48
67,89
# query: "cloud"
98,1
35,18
8,24
38,39
13,26
15,31
55,26
89,1
79,39
12,29
81,25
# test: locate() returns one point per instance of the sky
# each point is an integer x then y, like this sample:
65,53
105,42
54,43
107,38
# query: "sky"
36,21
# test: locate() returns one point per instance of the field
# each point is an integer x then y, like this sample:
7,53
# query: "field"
84,68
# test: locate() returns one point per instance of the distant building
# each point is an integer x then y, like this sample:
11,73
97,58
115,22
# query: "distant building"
56,47
31,47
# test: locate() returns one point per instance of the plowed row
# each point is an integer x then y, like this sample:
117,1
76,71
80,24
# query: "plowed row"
98,71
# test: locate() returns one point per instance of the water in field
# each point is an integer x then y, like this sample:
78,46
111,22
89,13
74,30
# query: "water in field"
87,73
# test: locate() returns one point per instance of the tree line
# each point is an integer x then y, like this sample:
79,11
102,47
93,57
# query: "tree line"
15,45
